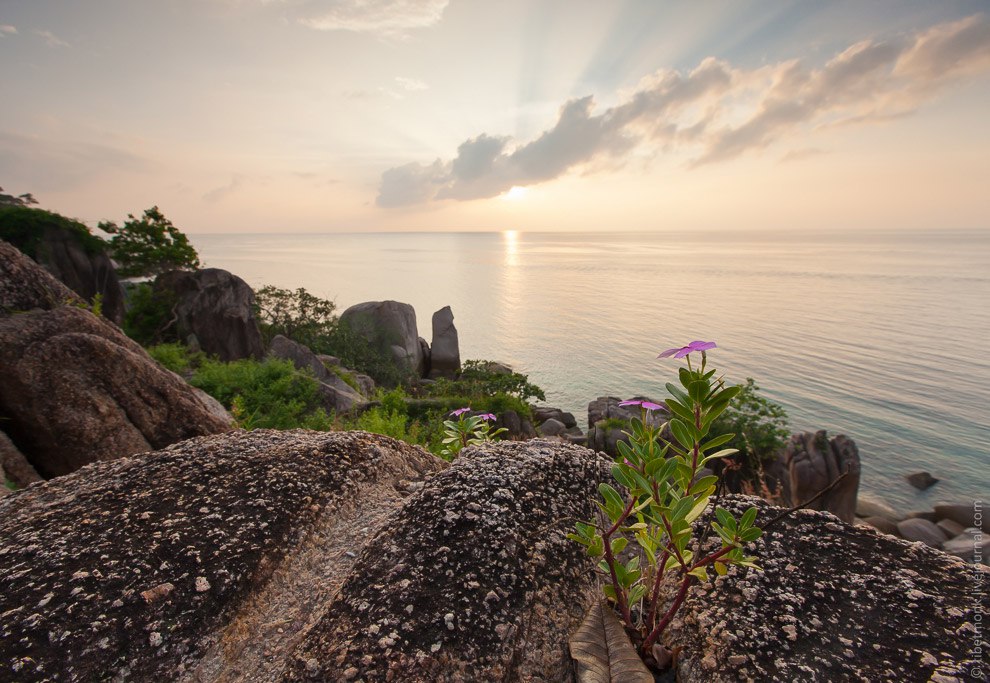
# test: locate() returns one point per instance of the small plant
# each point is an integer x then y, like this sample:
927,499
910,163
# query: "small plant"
646,536
467,431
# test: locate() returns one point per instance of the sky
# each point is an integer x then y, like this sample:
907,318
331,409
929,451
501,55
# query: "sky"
301,116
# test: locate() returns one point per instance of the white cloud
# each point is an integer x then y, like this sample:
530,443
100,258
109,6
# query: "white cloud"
7,30
411,84
51,39
393,18
715,112
218,193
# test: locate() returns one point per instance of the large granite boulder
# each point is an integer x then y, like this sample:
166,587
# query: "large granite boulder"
391,327
68,251
445,353
337,395
25,286
73,388
812,462
265,555
217,308
834,602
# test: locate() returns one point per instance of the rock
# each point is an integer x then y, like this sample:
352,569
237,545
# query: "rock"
249,528
16,467
216,307
365,383
868,506
389,325
513,588
834,602
961,514
883,524
511,421
552,427
528,430
214,407
917,529
608,408
921,480
813,462
950,528
972,545
921,514
543,413
67,250
75,390
427,364
445,353
337,395
24,285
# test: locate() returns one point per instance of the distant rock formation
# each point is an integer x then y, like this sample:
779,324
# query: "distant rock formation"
608,422
73,388
812,462
445,352
391,326
336,394
217,308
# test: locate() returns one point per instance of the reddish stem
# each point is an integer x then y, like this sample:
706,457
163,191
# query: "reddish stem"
620,597
668,616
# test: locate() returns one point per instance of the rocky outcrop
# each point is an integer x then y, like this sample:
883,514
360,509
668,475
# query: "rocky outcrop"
15,467
25,286
608,422
74,390
389,326
262,556
833,603
336,394
193,562
812,462
216,308
86,272
445,352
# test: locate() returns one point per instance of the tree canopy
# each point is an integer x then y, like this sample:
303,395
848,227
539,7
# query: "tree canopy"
149,245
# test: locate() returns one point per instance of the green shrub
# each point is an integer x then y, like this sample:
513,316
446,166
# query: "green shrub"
174,357
25,227
760,426
298,315
149,245
477,379
267,394
149,317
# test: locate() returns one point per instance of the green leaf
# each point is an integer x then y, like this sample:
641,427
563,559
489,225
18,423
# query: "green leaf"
703,483
613,501
720,568
678,394
597,547
679,410
618,545
725,452
686,377
726,536
750,535
697,509
698,390
701,573
681,433
725,517
717,441
748,518
619,473
580,539
636,593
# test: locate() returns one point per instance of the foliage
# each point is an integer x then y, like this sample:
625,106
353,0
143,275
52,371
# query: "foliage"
661,499
468,430
176,357
25,228
478,378
268,394
298,315
759,425
149,314
25,199
149,245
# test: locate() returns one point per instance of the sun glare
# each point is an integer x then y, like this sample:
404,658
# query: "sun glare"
516,192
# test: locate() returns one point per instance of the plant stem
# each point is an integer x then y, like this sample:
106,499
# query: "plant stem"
620,596
668,615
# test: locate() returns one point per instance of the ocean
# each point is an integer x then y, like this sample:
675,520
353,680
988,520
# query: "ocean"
879,336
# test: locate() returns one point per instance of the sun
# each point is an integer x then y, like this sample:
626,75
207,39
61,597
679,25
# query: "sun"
515,193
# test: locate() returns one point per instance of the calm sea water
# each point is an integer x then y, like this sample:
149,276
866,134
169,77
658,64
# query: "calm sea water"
878,336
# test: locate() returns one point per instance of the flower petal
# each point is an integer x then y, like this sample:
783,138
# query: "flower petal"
702,345
630,403
649,405
668,353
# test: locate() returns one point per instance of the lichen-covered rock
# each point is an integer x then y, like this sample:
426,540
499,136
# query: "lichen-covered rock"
198,562
812,462
834,602
24,285
74,389
217,308
473,580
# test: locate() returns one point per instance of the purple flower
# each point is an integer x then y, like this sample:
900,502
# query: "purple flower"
460,411
685,350
490,417
647,405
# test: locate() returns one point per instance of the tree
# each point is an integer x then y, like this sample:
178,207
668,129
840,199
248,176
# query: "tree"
25,199
149,245
298,315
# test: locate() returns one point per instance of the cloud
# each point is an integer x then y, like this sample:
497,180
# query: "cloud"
51,39
801,154
218,193
391,18
714,113
411,84
7,30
